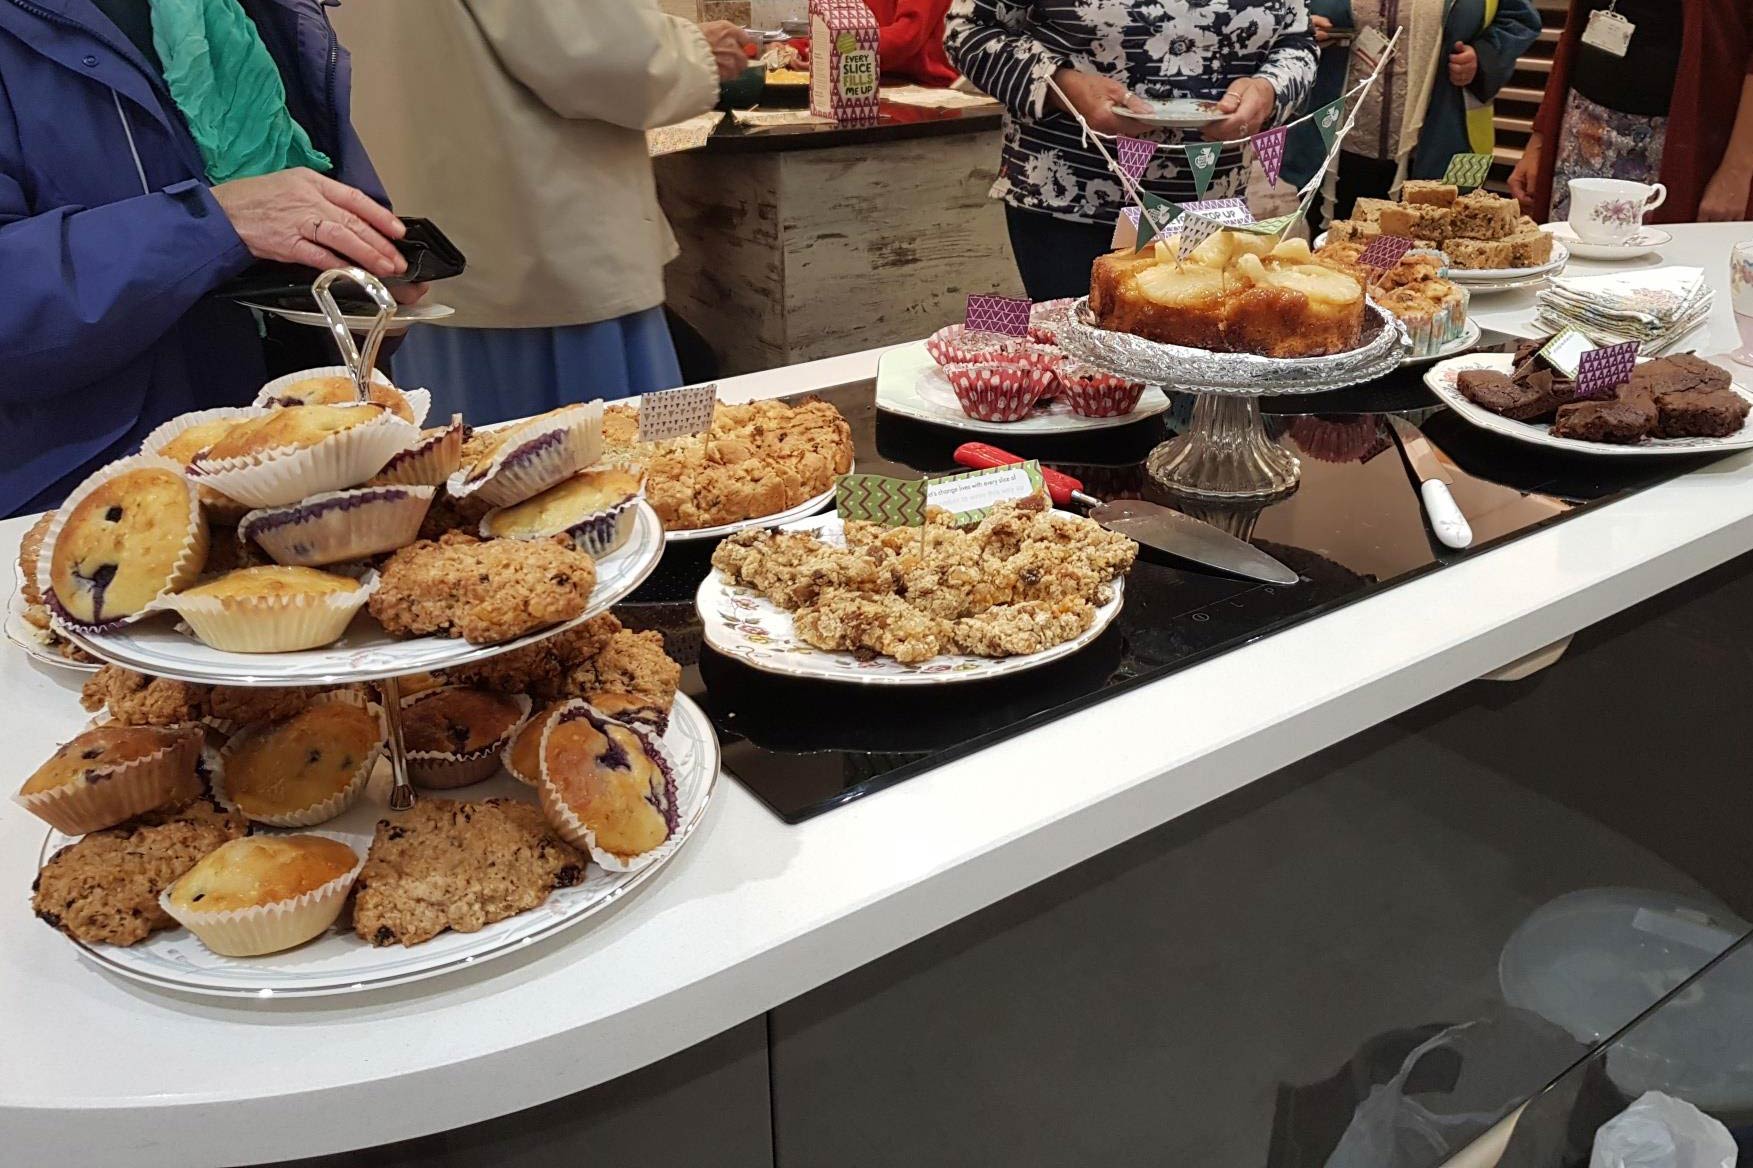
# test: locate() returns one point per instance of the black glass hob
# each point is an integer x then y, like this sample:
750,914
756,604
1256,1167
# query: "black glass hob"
1353,527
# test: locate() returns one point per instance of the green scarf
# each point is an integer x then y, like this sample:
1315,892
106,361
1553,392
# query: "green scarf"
228,88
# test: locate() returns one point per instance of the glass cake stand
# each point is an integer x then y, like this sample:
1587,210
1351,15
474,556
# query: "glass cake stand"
1226,454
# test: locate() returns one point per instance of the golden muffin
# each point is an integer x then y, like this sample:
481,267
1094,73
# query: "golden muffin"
458,720
274,580
186,445
263,893
604,787
522,756
590,510
133,537
295,427
305,769
271,608
112,773
340,391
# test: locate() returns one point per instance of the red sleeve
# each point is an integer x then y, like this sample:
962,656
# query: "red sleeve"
914,25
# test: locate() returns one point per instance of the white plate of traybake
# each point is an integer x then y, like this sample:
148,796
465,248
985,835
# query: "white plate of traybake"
912,385
1441,379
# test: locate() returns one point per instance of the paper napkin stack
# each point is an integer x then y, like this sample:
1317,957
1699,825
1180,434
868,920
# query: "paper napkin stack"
1656,307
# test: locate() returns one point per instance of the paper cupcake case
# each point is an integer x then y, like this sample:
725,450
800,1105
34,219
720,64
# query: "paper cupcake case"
419,400
337,526
574,830
999,392
120,792
323,810
596,535
542,454
272,624
158,438
183,573
269,928
536,724
429,462
1094,393
288,474
440,770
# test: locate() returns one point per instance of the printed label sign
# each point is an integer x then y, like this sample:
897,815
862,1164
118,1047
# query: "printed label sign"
1468,170
969,496
1600,371
673,413
1223,212
1565,350
998,314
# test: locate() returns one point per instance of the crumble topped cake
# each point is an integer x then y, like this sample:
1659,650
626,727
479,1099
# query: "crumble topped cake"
757,459
1477,230
1023,580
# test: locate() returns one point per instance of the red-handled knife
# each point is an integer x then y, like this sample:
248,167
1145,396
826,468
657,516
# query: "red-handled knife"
1169,532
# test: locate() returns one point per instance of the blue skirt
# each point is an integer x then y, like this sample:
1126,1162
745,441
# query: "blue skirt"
489,375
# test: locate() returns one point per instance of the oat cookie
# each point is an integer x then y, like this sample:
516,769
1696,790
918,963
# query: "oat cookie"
483,591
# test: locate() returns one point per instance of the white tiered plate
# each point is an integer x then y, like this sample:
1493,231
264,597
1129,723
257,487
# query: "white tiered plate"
1470,334
911,384
741,623
1441,380
339,962
1500,279
29,638
366,652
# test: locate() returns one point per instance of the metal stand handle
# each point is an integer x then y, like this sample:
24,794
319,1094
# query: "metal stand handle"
402,792
359,362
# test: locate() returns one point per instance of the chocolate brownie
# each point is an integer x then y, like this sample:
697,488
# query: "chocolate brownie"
1700,413
450,865
104,889
1530,398
1623,420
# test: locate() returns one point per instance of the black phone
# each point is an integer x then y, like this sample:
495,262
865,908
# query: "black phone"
429,252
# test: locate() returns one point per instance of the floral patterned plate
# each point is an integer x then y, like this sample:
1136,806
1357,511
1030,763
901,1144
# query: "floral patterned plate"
339,962
366,652
741,623
1441,379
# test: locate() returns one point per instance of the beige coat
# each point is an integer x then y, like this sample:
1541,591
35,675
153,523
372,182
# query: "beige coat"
518,126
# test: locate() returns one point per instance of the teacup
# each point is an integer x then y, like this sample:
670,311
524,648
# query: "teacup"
1611,210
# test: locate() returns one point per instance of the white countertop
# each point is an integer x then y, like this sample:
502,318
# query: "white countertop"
753,912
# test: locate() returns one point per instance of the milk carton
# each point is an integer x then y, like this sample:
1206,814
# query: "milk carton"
843,61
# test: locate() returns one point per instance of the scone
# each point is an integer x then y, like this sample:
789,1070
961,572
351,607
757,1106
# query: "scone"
104,889
112,773
128,536
272,609
262,894
449,865
606,786
305,769
454,734
485,592
594,511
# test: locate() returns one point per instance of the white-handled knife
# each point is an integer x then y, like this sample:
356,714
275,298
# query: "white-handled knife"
1435,473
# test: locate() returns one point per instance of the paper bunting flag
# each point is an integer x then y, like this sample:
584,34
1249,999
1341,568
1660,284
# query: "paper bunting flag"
1600,371
880,499
1125,230
1384,252
1195,230
675,413
1202,162
1565,350
1327,121
1134,154
1272,226
1224,212
998,314
1162,214
1468,170
1269,149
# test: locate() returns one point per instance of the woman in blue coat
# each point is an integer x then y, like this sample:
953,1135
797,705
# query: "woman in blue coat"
1432,104
151,150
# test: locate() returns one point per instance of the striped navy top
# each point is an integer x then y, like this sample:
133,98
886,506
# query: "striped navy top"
1159,48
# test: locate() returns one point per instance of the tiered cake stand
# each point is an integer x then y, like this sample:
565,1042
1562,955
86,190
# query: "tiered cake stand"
1225,455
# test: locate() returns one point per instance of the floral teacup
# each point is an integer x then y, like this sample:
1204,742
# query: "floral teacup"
1610,210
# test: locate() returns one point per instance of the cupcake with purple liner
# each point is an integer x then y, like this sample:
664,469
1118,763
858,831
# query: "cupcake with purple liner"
126,538
1095,393
994,392
272,609
430,461
606,787
303,770
112,773
337,526
264,893
531,456
293,453
522,756
454,734
332,385
594,510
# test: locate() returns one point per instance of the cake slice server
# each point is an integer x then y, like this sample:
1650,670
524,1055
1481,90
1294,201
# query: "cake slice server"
1169,532
1435,472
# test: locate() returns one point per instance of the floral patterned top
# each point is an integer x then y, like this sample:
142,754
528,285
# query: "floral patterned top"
1159,48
